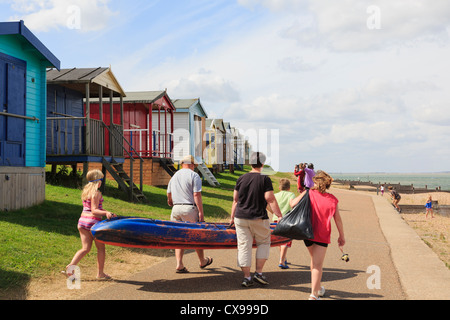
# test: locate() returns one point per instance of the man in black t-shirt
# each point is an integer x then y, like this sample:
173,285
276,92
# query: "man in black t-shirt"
252,193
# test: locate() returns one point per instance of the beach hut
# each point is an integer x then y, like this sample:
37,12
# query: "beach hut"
189,126
148,127
238,148
23,63
228,147
80,131
215,134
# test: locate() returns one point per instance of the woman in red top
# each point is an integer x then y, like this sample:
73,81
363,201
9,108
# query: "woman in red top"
300,174
324,206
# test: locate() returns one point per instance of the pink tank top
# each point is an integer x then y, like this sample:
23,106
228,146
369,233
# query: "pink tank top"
323,207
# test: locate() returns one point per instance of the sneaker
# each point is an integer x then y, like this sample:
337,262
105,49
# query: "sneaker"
260,279
313,297
247,283
321,292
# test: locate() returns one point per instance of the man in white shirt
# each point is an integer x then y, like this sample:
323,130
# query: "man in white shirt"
184,195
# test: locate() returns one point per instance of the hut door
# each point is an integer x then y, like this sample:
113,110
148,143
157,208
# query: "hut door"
12,101
198,136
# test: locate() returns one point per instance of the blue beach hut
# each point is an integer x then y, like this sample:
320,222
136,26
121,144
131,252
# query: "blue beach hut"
23,97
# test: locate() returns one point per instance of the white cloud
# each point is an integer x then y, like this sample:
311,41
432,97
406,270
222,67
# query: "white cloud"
435,113
343,25
205,84
297,64
45,15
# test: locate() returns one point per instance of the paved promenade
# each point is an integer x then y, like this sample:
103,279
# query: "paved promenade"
388,261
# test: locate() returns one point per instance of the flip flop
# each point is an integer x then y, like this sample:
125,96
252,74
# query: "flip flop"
184,270
210,260
105,278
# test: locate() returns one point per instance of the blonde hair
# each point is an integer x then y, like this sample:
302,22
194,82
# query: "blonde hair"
91,188
285,184
322,181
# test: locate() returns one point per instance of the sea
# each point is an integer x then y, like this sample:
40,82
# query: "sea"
419,180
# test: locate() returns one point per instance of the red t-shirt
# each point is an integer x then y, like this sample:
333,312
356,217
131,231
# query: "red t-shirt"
323,208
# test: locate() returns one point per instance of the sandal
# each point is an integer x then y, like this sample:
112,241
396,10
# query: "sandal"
210,260
105,278
184,270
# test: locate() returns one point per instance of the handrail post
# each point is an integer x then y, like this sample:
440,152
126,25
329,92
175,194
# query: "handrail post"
131,178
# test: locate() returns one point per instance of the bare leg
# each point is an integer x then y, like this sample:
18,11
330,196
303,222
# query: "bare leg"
317,254
283,254
260,265
86,242
101,254
179,256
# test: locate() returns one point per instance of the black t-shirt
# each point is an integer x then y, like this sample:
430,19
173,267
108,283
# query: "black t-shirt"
252,203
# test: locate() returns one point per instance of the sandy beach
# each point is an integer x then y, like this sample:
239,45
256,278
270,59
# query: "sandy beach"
434,232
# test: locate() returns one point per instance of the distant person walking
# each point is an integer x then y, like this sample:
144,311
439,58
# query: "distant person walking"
92,214
300,174
309,175
395,196
252,193
429,207
324,206
184,194
382,190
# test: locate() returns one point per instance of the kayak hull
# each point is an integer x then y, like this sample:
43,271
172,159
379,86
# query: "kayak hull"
158,234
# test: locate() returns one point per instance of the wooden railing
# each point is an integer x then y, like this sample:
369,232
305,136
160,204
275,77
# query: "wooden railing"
69,136
66,136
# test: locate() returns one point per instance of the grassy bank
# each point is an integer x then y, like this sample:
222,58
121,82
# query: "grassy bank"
40,241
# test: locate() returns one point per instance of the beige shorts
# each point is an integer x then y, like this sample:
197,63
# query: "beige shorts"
184,213
246,232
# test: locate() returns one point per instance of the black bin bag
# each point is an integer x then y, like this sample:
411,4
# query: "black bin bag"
296,224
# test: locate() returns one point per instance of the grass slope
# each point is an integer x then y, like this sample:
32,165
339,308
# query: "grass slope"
42,240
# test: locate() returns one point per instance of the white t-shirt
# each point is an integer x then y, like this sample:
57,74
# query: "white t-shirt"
183,185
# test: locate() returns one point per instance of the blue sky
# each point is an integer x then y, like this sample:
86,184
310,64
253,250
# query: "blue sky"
354,86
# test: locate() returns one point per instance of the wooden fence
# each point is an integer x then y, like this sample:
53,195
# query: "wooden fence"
408,189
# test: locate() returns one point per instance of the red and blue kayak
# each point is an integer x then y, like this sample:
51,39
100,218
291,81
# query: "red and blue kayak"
158,234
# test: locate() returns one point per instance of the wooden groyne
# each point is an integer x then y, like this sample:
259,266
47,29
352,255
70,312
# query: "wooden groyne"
407,189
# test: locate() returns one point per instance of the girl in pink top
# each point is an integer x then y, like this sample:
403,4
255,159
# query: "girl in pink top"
324,207
92,213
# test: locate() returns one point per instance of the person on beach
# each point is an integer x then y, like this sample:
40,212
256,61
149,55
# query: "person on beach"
284,198
252,193
429,207
382,190
309,175
184,195
92,213
324,206
395,196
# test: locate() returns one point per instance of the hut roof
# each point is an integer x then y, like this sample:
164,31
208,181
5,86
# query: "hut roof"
77,78
184,104
19,28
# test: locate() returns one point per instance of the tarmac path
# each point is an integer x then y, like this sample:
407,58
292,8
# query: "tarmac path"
370,274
